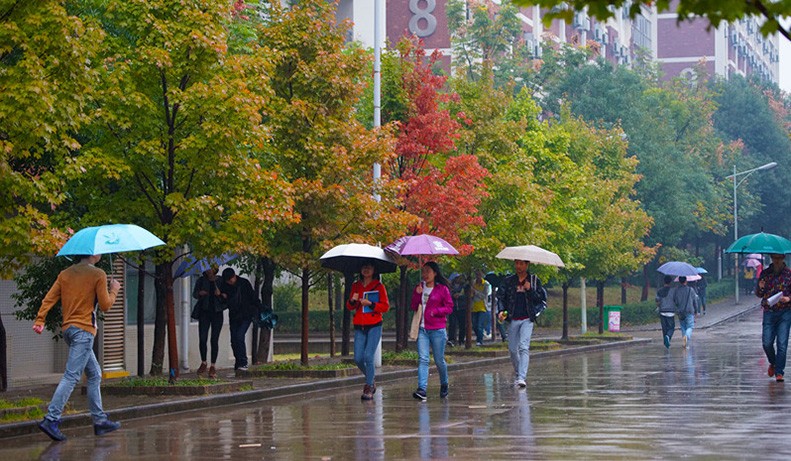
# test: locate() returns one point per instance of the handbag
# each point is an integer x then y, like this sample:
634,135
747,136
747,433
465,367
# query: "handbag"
415,328
195,315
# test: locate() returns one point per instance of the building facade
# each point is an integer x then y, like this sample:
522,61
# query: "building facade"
728,50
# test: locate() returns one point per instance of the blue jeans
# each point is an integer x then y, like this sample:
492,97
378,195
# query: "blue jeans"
686,323
776,325
435,339
519,334
238,332
366,340
479,320
81,358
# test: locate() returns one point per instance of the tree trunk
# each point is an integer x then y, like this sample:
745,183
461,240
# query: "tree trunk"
565,335
348,279
468,314
160,325
3,358
267,291
402,308
332,314
305,323
141,318
646,284
600,304
173,351
623,291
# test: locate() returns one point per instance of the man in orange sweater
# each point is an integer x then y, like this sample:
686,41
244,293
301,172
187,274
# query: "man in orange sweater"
78,289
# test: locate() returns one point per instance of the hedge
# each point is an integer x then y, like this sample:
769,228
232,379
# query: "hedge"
631,314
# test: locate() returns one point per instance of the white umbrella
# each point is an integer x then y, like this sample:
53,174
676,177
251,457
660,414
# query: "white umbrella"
532,253
349,257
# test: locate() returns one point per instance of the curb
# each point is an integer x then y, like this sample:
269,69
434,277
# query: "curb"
83,420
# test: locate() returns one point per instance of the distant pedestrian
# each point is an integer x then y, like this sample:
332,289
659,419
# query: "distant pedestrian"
776,279
480,315
78,289
667,310
243,306
209,312
368,300
433,294
685,300
700,286
518,301
457,322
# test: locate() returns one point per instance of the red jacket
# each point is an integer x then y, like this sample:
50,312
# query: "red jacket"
368,318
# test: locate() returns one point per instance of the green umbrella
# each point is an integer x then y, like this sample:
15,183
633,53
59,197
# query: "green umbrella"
761,243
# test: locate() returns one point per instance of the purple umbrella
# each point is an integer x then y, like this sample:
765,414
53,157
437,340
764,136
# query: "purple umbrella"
420,245
751,263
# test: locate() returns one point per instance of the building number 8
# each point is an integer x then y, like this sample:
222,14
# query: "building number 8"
428,25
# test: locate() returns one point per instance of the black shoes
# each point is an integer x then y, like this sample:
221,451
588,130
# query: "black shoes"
443,391
420,394
51,428
105,427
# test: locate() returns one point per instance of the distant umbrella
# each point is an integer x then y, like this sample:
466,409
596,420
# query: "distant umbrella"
751,263
701,270
532,253
677,268
190,266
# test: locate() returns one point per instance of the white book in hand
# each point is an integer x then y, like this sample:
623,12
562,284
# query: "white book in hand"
774,299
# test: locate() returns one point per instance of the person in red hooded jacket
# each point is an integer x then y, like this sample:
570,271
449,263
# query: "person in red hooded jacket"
434,295
368,300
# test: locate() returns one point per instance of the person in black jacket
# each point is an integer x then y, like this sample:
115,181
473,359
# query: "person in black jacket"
519,300
208,313
243,306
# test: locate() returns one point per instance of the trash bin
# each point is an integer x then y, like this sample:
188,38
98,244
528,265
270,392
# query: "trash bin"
612,318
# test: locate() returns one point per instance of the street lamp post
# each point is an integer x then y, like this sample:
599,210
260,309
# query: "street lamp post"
746,174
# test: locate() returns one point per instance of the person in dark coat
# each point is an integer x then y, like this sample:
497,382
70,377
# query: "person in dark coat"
243,306
208,312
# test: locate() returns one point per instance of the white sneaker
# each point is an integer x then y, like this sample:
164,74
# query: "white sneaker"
520,383
487,337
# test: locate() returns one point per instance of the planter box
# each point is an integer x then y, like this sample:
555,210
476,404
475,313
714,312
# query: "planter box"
219,388
478,352
306,373
19,411
580,341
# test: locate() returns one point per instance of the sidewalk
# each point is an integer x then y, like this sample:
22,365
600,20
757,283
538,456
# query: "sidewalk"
141,406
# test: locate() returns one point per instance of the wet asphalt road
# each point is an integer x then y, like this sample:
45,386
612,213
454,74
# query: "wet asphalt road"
712,401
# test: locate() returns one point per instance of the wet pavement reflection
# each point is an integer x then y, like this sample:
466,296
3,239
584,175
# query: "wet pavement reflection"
713,400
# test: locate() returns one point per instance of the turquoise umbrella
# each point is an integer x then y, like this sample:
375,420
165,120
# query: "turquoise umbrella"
761,243
110,238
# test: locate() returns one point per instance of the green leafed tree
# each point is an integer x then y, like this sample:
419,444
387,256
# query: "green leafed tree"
318,143
770,12
47,78
176,136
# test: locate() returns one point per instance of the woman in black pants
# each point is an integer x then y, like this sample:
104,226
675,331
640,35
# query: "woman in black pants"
208,312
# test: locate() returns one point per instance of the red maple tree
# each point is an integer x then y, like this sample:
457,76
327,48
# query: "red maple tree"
442,189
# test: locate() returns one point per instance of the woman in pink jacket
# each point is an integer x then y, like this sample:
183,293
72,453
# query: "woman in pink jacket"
434,295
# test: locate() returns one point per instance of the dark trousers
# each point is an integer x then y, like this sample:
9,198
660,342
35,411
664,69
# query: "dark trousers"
208,320
238,332
668,326
457,326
